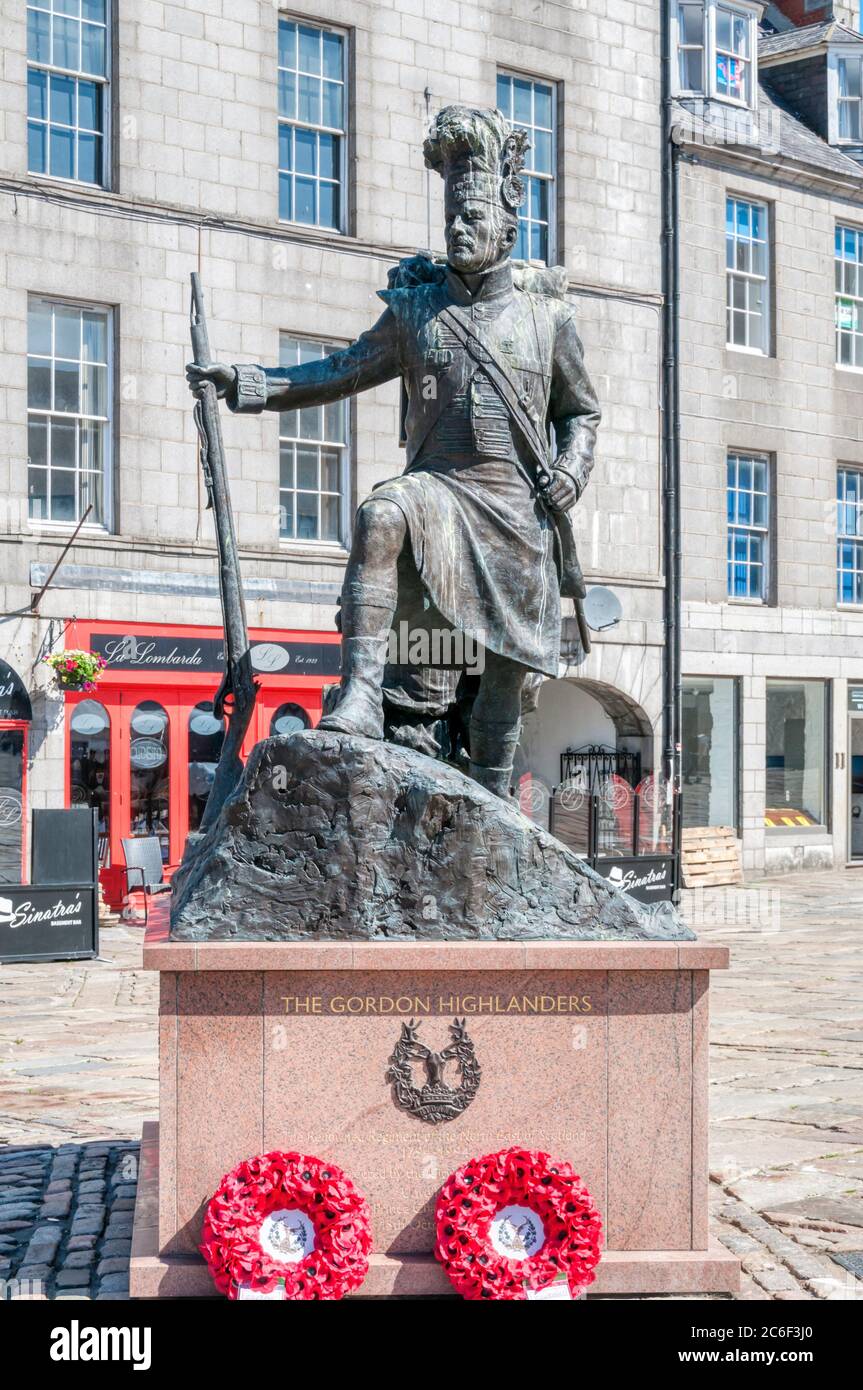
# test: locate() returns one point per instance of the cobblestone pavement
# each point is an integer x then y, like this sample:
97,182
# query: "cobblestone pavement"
78,1077
786,1100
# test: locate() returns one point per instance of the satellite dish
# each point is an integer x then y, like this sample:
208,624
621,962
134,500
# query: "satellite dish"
602,608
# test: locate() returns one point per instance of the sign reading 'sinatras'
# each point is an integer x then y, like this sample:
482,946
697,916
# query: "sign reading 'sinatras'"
47,923
137,652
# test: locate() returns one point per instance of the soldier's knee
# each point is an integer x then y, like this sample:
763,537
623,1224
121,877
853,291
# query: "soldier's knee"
382,521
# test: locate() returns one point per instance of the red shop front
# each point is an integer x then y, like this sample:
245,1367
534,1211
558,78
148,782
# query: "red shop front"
142,749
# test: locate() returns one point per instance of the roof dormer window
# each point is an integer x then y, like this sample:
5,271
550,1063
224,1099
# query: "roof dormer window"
716,49
848,96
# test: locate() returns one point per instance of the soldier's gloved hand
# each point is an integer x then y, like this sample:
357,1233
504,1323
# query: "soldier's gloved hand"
562,492
223,378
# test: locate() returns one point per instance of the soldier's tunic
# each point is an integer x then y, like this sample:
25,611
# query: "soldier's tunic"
481,537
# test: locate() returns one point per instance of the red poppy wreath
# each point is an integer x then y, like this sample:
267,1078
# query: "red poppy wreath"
285,1226
514,1222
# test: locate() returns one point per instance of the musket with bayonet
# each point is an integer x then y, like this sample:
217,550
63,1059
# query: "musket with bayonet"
235,697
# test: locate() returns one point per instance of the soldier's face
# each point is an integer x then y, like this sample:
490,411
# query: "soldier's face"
473,236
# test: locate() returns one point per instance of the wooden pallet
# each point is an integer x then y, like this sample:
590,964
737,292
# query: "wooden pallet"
710,857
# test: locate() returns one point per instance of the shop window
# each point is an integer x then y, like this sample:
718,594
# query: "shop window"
796,754
206,736
12,763
710,755
149,749
90,764
289,719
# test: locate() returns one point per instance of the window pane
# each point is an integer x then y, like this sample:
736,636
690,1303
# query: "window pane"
329,518
304,200
37,142
62,100
37,494
89,106
305,152
286,198
89,158
307,516
307,468
287,44
332,56
95,347
709,752
332,108
37,443
289,719
38,36
94,391
795,754
90,760
328,205
37,94
93,49
63,504
149,765
39,384
64,444
287,94
309,104
206,736
62,160
12,817
330,470
67,44
309,49
67,386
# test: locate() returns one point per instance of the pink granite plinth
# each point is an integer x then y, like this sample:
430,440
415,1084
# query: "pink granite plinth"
595,1052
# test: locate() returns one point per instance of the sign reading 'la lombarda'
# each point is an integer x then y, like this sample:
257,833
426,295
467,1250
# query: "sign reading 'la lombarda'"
445,1003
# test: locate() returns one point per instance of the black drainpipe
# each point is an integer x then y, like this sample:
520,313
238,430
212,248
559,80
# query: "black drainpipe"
671,704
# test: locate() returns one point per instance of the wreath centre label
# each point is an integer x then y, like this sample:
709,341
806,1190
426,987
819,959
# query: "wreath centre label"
287,1235
517,1233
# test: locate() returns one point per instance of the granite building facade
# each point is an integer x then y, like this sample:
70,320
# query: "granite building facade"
278,151
771,187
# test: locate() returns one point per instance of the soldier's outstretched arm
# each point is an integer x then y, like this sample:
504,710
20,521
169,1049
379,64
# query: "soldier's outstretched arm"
372,359
573,407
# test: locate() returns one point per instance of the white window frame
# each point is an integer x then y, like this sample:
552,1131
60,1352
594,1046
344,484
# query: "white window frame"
750,529
842,52
105,82
710,89
549,179
844,537
762,349
343,134
857,299
346,472
678,46
106,525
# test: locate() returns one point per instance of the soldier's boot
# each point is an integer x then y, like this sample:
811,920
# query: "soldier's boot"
492,753
365,635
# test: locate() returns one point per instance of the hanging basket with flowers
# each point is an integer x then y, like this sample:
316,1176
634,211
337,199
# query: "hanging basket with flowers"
76,670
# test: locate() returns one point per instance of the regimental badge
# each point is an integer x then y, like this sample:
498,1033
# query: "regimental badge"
435,1101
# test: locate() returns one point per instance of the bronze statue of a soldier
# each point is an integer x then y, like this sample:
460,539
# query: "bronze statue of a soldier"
474,535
